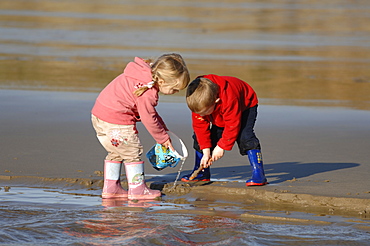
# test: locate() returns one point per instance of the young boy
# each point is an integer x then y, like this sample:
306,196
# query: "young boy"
224,110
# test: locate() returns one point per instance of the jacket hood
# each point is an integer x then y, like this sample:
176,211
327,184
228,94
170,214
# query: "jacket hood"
139,70
216,79
220,81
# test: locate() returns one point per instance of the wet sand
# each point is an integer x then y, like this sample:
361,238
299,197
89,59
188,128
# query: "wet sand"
316,159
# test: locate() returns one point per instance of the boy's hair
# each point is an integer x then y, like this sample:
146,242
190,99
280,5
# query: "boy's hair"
201,94
171,68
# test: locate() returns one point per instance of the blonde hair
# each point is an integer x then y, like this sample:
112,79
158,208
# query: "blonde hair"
201,94
171,68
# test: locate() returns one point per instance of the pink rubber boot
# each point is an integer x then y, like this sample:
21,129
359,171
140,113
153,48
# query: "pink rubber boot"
137,189
112,184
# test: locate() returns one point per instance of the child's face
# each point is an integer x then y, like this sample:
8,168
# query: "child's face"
167,89
209,110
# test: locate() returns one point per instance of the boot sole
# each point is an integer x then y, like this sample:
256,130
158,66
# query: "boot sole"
143,197
195,180
110,196
256,184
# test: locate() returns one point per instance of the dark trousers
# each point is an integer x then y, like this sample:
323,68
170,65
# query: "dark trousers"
246,140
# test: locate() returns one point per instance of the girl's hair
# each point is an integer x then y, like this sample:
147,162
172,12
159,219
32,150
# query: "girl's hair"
201,94
171,68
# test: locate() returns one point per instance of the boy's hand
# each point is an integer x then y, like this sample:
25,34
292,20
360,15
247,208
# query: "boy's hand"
217,153
205,158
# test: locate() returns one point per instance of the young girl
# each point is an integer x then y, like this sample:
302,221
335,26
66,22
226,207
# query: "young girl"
129,98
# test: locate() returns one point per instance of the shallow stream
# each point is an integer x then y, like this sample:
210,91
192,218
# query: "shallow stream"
44,216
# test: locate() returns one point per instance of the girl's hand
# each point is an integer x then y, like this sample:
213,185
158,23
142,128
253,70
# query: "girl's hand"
168,145
217,153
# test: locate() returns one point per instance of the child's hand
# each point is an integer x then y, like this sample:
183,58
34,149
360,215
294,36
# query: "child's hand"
208,164
217,153
168,145
206,157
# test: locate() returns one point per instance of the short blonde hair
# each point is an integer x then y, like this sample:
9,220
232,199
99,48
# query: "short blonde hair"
171,68
201,94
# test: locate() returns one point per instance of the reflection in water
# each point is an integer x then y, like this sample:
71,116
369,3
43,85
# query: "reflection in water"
125,226
43,217
129,227
292,52
114,203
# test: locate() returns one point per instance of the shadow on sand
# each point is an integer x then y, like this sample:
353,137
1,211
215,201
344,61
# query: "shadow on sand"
275,173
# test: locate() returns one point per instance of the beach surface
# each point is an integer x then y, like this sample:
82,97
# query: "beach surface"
308,61
316,158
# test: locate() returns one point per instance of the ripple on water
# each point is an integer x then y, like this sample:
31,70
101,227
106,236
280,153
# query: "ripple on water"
39,216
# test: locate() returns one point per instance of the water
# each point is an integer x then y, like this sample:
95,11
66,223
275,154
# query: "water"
44,216
292,52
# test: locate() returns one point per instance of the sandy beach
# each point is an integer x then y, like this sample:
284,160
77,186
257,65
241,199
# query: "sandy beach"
315,158
307,60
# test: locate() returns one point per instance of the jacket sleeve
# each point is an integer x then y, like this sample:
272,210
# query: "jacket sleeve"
201,127
232,118
146,104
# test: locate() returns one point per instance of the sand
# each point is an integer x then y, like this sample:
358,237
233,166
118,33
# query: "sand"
316,158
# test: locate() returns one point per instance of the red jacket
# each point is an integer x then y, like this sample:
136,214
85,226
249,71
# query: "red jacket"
235,97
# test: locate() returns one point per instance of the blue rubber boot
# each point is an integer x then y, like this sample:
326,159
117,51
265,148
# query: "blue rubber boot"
258,174
204,175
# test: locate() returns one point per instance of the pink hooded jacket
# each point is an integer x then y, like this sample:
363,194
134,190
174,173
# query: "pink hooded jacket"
117,103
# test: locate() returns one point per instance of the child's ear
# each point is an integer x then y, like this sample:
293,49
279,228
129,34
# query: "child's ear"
160,82
217,100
